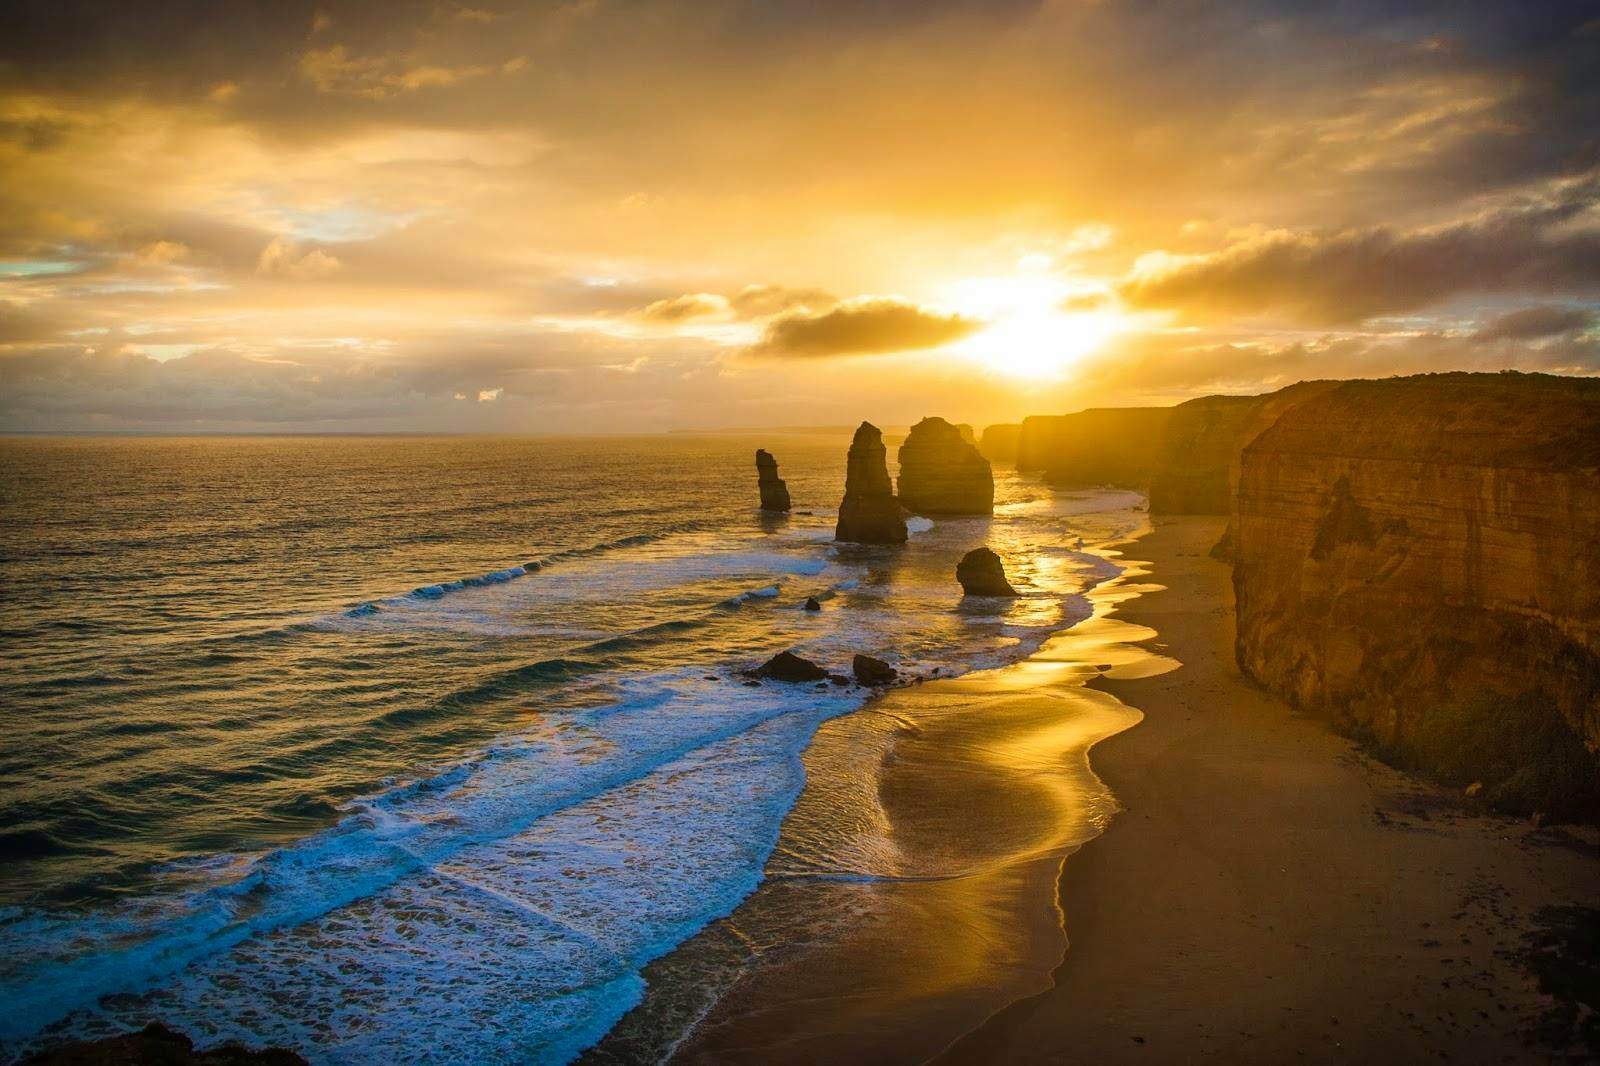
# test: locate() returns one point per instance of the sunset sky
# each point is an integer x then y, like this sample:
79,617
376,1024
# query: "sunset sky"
627,216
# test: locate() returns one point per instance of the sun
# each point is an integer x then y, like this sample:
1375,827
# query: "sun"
1030,333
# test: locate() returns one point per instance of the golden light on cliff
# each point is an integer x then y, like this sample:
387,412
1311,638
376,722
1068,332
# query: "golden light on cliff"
1033,333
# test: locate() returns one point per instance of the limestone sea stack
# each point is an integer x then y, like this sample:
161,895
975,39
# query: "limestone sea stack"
869,514
981,573
774,493
943,473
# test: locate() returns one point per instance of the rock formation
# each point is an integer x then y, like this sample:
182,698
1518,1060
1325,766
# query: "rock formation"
982,574
156,1045
1418,560
1100,446
812,604
774,493
870,671
787,666
869,514
941,473
1200,442
1267,410
999,443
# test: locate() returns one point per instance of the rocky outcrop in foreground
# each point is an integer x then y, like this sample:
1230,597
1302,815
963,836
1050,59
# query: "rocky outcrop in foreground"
869,514
871,671
787,666
981,573
1102,446
1418,560
156,1045
941,472
774,493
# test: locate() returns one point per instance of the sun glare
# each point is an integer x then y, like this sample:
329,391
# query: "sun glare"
1031,334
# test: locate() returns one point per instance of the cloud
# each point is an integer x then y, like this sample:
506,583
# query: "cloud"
1534,323
490,395
281,258
687,307
1354,275
866,325
749,303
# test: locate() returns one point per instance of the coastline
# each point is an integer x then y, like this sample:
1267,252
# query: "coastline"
1270,894
974,789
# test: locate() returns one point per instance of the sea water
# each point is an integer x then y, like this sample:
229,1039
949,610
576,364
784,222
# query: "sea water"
420,749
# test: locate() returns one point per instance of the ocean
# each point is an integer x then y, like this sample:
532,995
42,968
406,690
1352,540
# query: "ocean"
419,749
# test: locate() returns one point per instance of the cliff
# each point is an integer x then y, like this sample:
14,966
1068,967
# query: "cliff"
999,442
1202,439
774,493
1100,446
1418,560
941,473
869,513
1267,410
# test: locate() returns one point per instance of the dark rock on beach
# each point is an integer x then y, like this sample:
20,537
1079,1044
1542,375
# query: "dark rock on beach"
156,1045
870,671
787,666
774,493
981,573
942,473
870,514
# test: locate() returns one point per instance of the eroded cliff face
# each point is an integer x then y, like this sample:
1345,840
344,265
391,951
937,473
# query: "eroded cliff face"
1418,560
941,472
1100,446
1264,413
1201,441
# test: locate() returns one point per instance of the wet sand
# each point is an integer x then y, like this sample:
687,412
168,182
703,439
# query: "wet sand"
1270,895
1265,894
961,797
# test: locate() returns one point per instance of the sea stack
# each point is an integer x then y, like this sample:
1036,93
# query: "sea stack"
982,574
774,493
942,473
870,514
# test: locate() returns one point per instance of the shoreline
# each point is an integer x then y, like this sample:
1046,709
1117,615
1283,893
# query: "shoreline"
977,787
1269,893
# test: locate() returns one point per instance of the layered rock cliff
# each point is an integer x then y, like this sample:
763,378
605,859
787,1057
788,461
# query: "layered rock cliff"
1418,560
1100,446
1267,410
1202,439
869,513
941,472
774,493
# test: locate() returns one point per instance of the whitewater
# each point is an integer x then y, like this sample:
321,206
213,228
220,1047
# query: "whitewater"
422,749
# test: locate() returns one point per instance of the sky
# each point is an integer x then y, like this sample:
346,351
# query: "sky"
609,216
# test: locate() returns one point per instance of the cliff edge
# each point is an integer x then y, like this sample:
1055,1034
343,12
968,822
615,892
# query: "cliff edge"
1418,560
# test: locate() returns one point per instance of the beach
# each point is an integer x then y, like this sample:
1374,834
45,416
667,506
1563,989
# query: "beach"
1262,891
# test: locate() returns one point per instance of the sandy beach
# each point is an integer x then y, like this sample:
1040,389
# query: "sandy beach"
1268,894
1262,893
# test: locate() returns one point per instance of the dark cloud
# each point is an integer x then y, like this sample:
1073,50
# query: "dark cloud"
1534,323
863,326
1333,278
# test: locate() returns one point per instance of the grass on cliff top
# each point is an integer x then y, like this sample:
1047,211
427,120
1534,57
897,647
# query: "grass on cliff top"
1528,759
